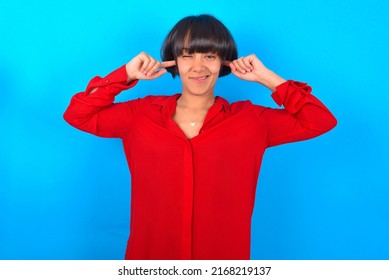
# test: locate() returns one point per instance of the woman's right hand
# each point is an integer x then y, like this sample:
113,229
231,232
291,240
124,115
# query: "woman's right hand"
145,67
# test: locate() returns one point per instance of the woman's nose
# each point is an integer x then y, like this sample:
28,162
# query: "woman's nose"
197,63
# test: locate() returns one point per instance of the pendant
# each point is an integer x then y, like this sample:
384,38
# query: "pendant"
192,124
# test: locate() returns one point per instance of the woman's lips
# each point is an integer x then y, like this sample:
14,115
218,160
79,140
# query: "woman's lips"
199,79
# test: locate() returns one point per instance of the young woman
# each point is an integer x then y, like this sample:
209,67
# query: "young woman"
195,158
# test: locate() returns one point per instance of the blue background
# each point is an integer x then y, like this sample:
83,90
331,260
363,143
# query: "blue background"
64,194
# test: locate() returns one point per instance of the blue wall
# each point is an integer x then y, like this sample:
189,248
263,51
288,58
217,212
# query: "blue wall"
65,194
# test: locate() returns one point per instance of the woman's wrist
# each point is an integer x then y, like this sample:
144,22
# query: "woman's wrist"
270,80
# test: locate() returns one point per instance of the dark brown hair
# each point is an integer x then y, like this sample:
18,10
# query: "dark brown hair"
202,34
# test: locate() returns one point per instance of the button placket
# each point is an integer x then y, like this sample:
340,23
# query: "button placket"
188,201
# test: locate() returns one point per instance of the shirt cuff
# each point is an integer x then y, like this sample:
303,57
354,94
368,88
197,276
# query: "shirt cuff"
286,89
292,95
117,79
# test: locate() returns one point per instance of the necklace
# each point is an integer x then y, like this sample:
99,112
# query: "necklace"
192,123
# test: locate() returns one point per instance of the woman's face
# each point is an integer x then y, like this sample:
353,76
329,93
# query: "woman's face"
198,72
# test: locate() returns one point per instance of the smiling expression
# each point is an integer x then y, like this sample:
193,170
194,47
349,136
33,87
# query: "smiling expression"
199,72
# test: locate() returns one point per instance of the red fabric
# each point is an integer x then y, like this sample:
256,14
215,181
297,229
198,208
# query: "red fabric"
193,199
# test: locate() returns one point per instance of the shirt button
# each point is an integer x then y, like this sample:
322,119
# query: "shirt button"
106,81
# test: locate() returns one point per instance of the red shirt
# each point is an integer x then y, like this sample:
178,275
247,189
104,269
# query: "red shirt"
194,198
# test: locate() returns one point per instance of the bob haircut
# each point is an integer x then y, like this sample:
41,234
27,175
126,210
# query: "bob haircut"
201,34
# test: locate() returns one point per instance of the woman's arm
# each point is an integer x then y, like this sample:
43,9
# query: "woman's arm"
94,110
303,116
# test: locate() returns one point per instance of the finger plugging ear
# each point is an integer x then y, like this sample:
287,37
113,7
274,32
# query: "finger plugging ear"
243,65
157,69
166,64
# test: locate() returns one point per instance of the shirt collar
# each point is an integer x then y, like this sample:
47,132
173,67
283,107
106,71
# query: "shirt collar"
169,102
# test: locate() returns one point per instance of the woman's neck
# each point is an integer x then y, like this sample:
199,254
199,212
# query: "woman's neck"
196,103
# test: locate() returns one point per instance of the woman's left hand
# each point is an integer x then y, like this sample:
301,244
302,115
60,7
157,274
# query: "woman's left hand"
250,68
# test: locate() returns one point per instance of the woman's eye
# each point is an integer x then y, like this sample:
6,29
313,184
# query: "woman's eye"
210,57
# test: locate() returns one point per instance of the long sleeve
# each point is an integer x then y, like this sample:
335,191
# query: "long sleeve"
96,113
303,116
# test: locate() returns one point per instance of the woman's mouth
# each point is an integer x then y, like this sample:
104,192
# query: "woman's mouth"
199,79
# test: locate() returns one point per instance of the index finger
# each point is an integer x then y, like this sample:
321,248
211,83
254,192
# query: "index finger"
166,64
